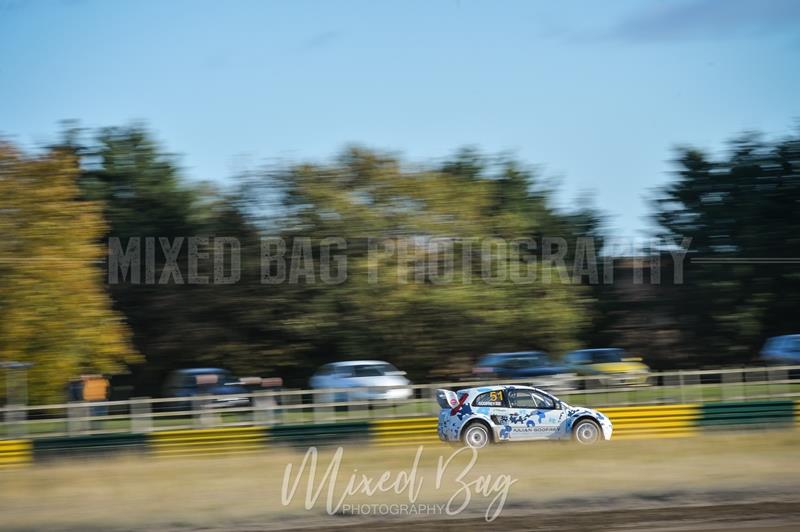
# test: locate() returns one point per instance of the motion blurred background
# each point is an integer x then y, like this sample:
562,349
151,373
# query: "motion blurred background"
464,113
637,125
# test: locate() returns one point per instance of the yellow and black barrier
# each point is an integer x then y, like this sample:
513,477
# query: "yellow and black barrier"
630,422
207,442
661,421
237,440
658,421
404,431
15,452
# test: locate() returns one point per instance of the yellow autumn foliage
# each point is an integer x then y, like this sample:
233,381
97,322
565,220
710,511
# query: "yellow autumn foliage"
54,309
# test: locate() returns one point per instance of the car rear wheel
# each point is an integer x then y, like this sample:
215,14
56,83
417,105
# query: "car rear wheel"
476,436
586,432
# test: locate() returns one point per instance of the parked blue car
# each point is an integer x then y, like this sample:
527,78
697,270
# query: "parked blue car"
782,350
517,365
186,383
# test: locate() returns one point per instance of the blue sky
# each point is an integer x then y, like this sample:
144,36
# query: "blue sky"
595,93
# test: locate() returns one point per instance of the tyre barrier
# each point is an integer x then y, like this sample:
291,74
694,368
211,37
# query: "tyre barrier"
657,421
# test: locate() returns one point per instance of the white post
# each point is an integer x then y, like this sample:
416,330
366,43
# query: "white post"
141,415
316,408
76,412
263,410
680,385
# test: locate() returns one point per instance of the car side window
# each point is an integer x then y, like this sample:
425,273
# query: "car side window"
578,357
523,399
343,371
494,398
543,402
516,363
530,399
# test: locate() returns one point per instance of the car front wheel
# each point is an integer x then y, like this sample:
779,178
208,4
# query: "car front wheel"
476,436
586,432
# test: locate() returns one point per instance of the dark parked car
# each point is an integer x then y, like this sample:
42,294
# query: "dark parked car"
517,365
782,350
193,382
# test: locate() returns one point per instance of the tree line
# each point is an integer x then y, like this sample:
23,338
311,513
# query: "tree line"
62,205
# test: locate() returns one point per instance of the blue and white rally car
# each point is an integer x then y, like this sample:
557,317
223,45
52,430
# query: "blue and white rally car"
490,414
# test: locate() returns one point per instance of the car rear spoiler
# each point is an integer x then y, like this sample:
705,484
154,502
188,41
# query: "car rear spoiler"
446,398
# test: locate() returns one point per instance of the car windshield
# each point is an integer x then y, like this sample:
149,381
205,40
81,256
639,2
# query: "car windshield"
606,355
372,370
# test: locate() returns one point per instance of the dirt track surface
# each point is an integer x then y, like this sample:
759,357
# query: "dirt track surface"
748,481
773,516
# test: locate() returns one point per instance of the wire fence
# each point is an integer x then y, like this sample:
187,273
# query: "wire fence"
277,407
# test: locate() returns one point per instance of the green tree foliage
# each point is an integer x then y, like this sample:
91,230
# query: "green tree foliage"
744,205
54,310
364,198
407,313
175,324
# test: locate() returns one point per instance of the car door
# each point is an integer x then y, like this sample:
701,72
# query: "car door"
534,416
494,404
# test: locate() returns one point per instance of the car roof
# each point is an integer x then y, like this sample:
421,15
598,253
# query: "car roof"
201,370
493,387
514,353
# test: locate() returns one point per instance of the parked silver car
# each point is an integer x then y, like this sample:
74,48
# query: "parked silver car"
369,380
